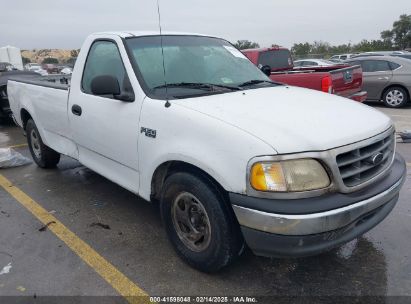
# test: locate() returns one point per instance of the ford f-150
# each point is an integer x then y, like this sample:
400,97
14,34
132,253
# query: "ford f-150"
232,157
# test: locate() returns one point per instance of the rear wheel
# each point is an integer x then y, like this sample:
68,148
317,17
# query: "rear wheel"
44,156
395,97
199,224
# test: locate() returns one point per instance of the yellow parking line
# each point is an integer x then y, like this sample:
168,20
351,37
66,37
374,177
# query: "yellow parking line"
105,269
17,146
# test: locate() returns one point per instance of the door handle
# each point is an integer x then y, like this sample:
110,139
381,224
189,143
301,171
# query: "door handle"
76,110
383,78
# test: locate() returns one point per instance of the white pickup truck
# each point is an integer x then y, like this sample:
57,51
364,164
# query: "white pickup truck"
232,158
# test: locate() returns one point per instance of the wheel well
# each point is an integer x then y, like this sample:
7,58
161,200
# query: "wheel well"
25,116
393,86
170,167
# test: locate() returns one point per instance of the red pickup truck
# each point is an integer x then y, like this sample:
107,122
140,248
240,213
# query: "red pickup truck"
342,80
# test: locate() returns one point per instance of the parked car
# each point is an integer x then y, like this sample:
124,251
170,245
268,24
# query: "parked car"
341,80
402,54
382,53
342,57
405,56
32,66
308,63
50,68
231,156
66,71
8,70
386,78
41,71
6,67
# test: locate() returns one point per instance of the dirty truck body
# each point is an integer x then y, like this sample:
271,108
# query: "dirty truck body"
231,157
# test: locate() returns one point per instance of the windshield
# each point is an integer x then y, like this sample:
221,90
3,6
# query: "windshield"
193,66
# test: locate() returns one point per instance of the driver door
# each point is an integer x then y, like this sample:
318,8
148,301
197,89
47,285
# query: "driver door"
105,129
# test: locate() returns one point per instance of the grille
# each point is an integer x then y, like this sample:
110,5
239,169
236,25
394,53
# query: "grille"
361,164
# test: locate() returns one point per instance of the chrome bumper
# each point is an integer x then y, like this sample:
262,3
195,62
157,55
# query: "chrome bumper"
314,223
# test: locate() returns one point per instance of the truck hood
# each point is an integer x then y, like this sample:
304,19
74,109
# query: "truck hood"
292,119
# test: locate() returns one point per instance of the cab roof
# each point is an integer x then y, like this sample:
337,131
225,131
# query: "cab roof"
128,34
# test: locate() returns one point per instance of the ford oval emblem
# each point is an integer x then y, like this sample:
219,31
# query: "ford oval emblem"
377,159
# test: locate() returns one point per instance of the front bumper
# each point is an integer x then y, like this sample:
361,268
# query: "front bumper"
309,233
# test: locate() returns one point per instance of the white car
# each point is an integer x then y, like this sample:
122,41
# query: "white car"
303,63
231,157
66,71
32,66
342,57
40,71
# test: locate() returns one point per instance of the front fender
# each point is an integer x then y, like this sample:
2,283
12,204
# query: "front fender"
219,149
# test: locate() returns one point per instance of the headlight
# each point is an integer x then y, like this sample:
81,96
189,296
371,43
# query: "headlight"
289,176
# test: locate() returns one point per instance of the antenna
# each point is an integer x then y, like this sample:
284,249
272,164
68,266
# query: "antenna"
167,104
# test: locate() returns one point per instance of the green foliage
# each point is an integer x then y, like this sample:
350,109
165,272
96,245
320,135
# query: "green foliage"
71,61
246,44
301,49
400,35
25,60
50,60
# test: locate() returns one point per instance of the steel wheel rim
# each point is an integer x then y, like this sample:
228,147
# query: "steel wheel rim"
191,222
394,97
35,144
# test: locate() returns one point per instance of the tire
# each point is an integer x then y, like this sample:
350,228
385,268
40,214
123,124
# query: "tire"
43,156
395,97
217,237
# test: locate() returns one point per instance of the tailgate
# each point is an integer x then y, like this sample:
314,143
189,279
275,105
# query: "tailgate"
347,81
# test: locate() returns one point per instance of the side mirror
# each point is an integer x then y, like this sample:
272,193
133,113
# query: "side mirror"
266,69
105,85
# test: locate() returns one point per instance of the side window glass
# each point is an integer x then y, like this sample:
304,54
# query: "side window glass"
394,65
104,59
376,66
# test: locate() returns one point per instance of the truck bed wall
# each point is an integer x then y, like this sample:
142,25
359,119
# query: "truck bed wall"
48,107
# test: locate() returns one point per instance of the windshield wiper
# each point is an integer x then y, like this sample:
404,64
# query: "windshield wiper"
197,85
256,81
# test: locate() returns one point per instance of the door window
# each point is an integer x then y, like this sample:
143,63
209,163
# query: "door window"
375,66
104,59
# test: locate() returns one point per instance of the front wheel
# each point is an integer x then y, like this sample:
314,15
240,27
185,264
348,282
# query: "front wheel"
199,223
44,156
395,97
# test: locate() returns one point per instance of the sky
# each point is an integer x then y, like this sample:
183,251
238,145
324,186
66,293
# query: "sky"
63,24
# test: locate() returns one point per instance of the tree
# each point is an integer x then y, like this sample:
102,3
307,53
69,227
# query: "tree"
50,60
400,35
246,44
372,46
71,61
74,53
25,60
320,48
301,49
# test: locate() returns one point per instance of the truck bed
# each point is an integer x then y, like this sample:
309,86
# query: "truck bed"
46,99
61,82
345,82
